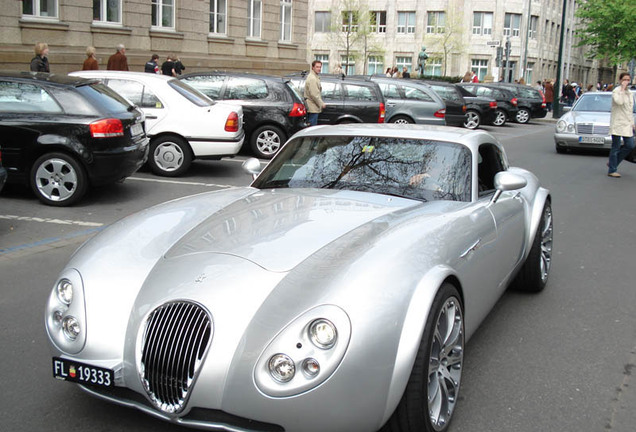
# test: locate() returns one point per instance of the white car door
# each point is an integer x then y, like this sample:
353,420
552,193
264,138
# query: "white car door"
142,96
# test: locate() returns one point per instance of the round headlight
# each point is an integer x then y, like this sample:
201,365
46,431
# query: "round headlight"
570,128
282,367
323,333
561,126
71,327
311,367
65,291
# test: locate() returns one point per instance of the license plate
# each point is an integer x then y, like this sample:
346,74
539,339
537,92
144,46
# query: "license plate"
592,140
82,373
136,129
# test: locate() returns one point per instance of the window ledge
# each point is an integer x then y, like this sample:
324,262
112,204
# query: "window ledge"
97,27
256,42
286,44
43,23
220,38
167,33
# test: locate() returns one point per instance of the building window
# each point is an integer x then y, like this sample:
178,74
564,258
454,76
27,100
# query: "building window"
254,18
324,59
401,62
286,20
378,22
40,8
107,11
433,66
532,31
435,22
480,67
529,73
322,22
218,11
163,13
349,21
512,22
348,64
482,23
406,22
375,65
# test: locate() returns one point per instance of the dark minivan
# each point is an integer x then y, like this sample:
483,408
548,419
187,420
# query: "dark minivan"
272,109
61,134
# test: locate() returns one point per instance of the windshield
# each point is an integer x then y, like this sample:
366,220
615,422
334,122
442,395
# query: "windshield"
193,95
412,168
595,102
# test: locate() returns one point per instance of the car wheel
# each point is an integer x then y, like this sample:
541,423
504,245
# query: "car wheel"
533,276
58,179
473,119
432,391
266,141
500,118
401,120
523,116
170,156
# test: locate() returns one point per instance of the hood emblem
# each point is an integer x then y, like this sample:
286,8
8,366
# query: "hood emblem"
200,278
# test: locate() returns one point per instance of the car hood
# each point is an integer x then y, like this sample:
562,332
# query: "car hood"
595,117
277,229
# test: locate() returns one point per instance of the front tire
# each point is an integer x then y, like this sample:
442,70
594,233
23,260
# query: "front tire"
58,179
500,118
266,141
432,391
523,116
473,119
170,156
533,276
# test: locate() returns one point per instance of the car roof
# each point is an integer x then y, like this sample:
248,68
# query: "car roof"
46,78
235,74
142,76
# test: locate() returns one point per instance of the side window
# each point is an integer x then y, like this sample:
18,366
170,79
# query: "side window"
412,93
22,97
246,88
485,91
209,85
358,92
390,91
491,161
135,92
331,91
447,93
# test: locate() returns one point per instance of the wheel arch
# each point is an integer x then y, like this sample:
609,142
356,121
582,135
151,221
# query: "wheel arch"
407,116
536,213
176,135
64,148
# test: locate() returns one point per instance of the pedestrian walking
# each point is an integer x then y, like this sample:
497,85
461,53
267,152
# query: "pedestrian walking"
91,61
40,63
621,124
405,72
549,94
178,66
167,67
118,61
313,93
152,65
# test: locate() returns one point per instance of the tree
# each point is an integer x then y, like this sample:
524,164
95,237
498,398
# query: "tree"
446,37
607,28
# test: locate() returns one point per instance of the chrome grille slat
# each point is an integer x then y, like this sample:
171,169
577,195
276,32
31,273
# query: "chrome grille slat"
592,129
175,339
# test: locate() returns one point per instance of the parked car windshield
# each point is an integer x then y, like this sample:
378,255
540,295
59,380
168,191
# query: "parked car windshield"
595,102
193,95
412,168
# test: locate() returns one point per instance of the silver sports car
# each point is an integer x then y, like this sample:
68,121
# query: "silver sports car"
335,293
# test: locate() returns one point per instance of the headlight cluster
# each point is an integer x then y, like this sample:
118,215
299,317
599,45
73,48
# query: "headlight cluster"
65,313
305,353
564,126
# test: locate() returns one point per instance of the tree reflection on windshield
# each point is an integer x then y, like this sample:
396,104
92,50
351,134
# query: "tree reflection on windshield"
412,168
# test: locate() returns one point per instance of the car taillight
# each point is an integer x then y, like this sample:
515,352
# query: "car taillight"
543,104
493,104
232,122
298,110
463,108
106,128
382,113
440,113
513,101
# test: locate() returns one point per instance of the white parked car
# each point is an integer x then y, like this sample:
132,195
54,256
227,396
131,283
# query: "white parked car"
182,123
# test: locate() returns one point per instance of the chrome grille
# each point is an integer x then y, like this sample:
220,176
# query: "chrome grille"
176,338
592,129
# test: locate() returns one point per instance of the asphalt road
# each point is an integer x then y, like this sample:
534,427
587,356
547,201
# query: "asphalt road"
558,361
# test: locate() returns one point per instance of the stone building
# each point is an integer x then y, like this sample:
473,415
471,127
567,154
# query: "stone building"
268,36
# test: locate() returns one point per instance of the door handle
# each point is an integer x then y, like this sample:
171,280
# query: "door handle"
472,248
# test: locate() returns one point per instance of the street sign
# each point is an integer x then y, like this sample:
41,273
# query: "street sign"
493,43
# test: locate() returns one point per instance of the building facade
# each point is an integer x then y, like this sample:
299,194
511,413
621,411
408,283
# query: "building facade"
266,36
369,36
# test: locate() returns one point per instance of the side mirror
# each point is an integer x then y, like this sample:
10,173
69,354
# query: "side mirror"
507,181
252,166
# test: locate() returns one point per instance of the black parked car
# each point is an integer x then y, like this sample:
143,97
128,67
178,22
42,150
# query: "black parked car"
479,109
60,134
3,173
455,102
348,99
506,100
530,101
272,110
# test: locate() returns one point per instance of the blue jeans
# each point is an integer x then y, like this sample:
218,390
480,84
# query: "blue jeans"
618,152
312,119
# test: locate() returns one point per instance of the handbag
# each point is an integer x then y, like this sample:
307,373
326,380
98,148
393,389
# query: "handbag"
631,157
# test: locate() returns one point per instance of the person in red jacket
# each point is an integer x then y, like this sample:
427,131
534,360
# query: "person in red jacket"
118,61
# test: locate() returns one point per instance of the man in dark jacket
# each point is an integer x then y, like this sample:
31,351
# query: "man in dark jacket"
152,66
118,61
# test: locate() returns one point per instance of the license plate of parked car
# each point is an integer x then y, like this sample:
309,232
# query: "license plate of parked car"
591,140
82,373
136,129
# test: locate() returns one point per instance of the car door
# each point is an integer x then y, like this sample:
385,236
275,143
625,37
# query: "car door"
393,98
333,98
360,102
422,106
142,96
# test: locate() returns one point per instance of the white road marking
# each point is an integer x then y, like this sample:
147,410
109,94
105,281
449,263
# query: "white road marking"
53,221
179,182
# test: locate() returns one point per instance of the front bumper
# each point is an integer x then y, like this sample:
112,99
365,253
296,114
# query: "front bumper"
576,141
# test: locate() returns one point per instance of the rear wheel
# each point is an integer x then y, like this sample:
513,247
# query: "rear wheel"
170,156
533,276
432,391
523,116
500,118
473,119
58,179
266,141
401,120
